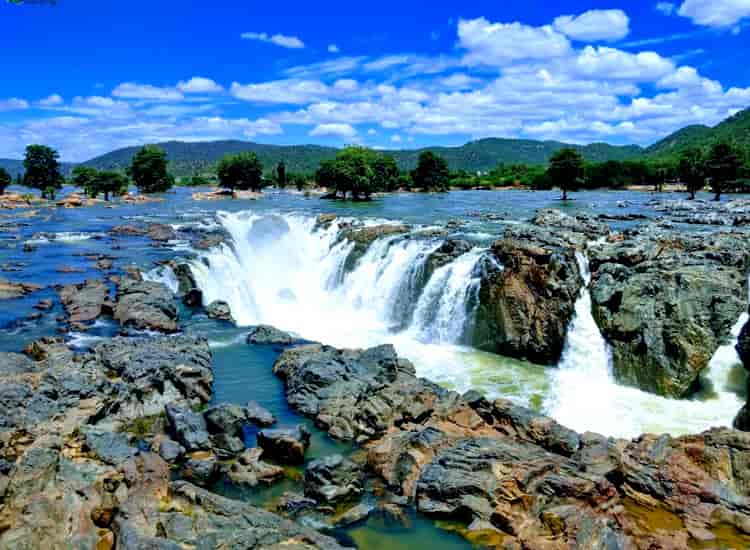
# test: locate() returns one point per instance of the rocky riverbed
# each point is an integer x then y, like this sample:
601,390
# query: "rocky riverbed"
114,432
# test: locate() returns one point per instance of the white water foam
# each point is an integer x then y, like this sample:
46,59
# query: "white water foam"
165,275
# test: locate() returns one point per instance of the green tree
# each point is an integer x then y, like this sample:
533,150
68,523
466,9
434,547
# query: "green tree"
385,173
566,170
242,171
692,169
5,180
42,171
149,170
85,177
299,181
281,179
723,166
110,183
432,173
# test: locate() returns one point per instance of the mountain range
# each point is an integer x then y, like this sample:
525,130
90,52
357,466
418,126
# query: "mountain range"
188,158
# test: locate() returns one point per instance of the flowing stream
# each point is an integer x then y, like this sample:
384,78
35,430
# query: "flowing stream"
290,273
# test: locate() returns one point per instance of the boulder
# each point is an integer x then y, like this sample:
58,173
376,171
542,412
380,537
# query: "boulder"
333,478
527,299
109,447
363,237
742,420
86,302
201,470
286,446
260,416
220,311
665,302
268,335
188,428
226,418
160,232
146,305
250,471
10,290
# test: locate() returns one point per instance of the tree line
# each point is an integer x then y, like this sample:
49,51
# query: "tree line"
357,172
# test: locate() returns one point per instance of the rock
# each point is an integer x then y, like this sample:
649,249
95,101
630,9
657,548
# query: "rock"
12,364
128,231
226,418
286,446
665,302
255,414
227,446
209,241
188,428
10,290
146,305
170,450
109,447
576,224
86,302
185,279
160,232
353,515
200,470
292,503
526,305
193,298
363,237
44,305
268,335
250,471
333,478
220,311
742,420
325,220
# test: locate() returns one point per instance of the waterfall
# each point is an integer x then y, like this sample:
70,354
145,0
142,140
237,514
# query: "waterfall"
165,275
288,272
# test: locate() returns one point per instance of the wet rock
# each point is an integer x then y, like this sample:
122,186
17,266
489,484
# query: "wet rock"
250,471
665,302
742,420
220,311
146,305
286,446
10,290
209,241
363,237
446,253
325,220
353,515
161,233
293,503
200,470
193,298
527,299
128,231
268,335
86,302
227,446
552,218
188,428
44,305
333,478
225,418
260,416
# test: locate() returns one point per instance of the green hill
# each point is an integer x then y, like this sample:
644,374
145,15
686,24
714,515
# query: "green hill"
15,166
485,154
736,128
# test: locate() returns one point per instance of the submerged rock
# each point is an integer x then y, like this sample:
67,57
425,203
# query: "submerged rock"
146,305
220,311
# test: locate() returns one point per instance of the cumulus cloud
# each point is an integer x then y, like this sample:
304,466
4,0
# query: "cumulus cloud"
595,25
51,100
334,129
333,48
667,8
13,104
289,91
715,13
290,42
498,44
610,63
132,90
199,85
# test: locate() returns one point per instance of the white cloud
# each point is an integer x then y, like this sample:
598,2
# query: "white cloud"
459,81
667,8
199,85
498,44
715,13
334,129
594,25
51,100
395,138
291,42
13,104
132,90
333,48
610,63
290,91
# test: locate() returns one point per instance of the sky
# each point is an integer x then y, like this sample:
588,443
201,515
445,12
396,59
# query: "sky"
88,77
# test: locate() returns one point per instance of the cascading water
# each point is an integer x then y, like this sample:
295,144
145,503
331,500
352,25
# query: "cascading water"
585,396
165,275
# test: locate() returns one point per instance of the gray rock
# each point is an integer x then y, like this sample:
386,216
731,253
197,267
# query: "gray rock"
86,302
225,418
188,428
286,446
353,515
226,445
333,478
268,335
220,311
146,305
258,415
12,364
250,471
110,447
202,471
170,450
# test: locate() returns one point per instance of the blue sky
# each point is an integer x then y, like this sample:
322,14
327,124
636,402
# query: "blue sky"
88,77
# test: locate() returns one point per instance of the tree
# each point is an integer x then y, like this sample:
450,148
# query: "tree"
723,166
110,183
85,177
242,171
385,173
149,170
355,173
299,181
432,173
42,171
5,180
692,170
281,175
566,170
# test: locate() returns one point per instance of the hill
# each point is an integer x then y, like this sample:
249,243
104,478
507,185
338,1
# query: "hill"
736,128
485,154
15,166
